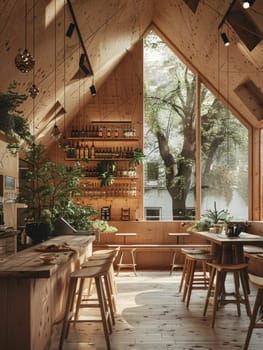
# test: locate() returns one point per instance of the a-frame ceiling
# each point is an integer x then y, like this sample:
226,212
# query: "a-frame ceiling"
110,28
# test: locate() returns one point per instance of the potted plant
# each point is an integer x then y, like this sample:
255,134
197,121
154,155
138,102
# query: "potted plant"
47,187
106,170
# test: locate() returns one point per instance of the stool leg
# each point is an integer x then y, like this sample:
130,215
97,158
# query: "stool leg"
257,306
120,262
237,293
133,252
81,284
68,311
183,275
209,291
109,296
243,278
218,288
173,261
187,276
103,311
190,283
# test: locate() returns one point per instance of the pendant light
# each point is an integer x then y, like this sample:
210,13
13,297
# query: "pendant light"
56,134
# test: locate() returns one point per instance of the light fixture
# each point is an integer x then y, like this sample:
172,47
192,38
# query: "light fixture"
93,90
70,30
33,91
55,133
24,61
225,39
82,64
86,67
247,3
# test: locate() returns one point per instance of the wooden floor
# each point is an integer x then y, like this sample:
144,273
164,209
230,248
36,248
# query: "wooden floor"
151,316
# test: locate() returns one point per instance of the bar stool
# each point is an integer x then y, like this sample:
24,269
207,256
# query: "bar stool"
93,272
195,279
186,262
257,282
128,251
218,293
178,235
98,260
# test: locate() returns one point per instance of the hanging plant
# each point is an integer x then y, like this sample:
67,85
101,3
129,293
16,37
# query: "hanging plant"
12,123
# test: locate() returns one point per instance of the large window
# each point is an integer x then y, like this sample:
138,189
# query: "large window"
170,141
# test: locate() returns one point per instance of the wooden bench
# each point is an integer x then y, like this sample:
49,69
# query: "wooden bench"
152,247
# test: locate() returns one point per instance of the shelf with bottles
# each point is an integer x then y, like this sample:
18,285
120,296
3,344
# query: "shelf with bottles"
82,150
122,172
106,130
94,190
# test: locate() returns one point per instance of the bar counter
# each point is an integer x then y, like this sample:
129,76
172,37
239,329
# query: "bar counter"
33,293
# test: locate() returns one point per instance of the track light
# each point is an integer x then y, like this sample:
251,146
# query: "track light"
82,65
93,90
248,3
70,30
225,39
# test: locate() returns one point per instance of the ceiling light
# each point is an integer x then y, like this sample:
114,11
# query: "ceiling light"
93,90
225,39
248,3
70,30
55,133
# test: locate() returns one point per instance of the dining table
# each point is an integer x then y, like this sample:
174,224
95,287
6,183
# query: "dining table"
229,249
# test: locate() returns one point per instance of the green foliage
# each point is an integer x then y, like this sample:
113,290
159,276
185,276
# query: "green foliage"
137,157
217,216
12,123
78,216
199,226
48,186
103,226
106,170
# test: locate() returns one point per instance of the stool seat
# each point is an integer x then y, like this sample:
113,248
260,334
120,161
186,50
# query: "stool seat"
257,314
217,292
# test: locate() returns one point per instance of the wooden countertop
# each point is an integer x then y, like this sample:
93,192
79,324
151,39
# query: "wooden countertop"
27,264
8,233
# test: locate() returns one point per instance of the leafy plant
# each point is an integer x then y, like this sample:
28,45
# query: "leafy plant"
12,123
48,186
216,216
78,216
137,157
106,170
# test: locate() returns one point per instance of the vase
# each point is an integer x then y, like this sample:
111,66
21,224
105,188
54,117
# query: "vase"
38,232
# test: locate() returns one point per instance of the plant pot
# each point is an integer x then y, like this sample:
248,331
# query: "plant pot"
38,232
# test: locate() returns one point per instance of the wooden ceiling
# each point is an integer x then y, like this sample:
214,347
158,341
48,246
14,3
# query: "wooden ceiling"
110,28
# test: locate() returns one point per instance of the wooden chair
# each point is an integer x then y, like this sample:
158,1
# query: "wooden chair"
217,291
257,282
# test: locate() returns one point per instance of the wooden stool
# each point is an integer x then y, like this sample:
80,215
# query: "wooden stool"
256,281
195,279
185,267
130,252
178,235
131,264
218,291
92,272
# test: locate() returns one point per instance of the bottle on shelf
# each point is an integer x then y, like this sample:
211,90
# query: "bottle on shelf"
108,132
100,132
92,152
116,132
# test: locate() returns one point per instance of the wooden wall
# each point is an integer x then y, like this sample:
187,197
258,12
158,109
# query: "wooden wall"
119,99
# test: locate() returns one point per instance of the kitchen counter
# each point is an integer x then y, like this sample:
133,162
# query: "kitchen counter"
33,293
